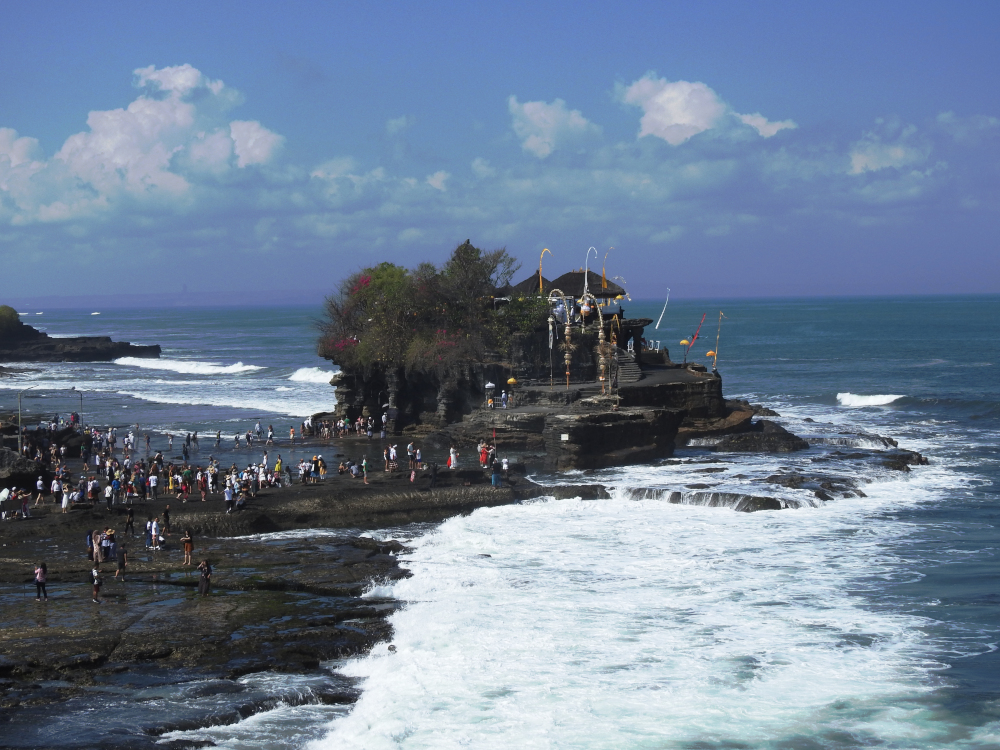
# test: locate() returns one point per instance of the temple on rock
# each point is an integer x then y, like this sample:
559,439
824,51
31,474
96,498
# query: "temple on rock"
438,350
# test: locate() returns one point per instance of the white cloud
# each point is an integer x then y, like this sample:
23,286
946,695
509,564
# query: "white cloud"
481,168
438,179
674,111
890,145
679,110
211,150
969,130
763,126
543,127
253,143
173,136
397,125
179,79
16,151
410,235
667,235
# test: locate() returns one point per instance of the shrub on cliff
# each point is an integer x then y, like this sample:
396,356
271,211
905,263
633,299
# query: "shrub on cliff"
423,319
9,320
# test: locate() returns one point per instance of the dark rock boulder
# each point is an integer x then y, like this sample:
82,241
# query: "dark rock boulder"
822,486
22,343
763,436
759,410
902,460
16,471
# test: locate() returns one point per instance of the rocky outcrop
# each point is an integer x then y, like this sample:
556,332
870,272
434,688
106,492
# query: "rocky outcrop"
615,438
16,471
763,436
22,343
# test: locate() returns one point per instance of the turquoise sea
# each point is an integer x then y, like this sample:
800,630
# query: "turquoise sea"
635,622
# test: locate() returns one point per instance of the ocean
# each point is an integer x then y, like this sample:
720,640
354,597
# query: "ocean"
636,622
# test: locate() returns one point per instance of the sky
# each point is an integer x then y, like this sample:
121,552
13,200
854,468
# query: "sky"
730,149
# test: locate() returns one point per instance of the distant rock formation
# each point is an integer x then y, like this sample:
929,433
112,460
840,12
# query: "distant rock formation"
22,343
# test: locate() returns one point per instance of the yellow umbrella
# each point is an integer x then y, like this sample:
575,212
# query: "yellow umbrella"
684,342
710,354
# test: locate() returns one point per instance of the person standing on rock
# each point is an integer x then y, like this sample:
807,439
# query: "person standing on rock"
166,520
40,573
56,488
205,584
188,541
122,562
40,487
453,458
95,576
129,522
364,468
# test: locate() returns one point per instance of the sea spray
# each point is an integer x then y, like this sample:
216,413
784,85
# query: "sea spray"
580,624
187,367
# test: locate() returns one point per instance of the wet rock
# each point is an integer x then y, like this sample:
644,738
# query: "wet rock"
383,548
763,436
16,471
902,460
823,487
22,343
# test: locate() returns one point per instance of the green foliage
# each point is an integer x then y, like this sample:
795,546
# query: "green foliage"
8,318
525,314
424,319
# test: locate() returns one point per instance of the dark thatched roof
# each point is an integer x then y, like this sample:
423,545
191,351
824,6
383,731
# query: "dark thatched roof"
572,284
530,286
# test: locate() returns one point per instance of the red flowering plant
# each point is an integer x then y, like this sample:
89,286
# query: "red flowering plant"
424,319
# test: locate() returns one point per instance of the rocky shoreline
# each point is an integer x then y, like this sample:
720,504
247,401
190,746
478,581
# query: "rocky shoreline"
22,343
280,603
291,572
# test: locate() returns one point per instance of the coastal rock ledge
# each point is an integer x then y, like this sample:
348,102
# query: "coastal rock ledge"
22,343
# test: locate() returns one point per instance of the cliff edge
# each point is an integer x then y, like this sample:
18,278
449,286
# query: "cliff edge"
22,343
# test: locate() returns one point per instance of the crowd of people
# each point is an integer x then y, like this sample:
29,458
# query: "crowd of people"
125,470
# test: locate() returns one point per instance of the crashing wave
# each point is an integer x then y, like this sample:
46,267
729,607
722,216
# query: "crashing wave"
734,500
187,367
854,399
312,375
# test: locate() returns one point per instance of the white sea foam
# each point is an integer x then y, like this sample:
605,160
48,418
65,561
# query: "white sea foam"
187,367
641,623
302,405
853,399
312,375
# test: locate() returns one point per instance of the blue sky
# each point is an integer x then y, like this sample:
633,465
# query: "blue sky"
721,149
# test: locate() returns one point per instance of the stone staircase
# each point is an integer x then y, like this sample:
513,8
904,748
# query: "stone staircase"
628,370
